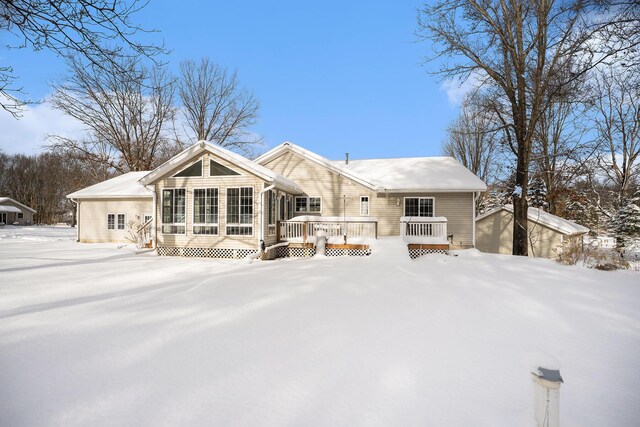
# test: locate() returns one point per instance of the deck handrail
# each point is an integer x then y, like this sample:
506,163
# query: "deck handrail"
424,229
308,226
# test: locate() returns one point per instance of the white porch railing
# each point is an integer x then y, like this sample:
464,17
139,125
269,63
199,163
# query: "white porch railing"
424,229
305,228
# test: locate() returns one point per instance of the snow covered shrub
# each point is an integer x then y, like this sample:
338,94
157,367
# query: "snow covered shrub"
138,233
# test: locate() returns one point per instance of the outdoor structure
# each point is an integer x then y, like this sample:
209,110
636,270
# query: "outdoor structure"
13,212
549,235
209,201
104,210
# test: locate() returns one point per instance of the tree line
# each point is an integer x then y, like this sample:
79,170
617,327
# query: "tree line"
553,118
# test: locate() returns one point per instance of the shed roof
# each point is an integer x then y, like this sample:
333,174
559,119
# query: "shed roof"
539,216
123,186
9,199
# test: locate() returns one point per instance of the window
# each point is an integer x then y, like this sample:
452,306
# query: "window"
308,204
116,221
271,213
216,169
111,221
289,207
364,205
418,206
174,203
20,215
193,170
205,211
121,221
281,209
146,218
240,211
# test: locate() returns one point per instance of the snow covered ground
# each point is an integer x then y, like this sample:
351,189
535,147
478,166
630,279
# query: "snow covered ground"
104,335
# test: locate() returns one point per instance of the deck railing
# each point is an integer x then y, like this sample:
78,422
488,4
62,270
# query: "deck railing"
423,229
303,228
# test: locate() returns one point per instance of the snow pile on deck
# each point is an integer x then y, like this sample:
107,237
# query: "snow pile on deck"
96,334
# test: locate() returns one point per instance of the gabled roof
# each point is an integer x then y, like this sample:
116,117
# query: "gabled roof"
403,175
541,217
203,146
8,199
127,185
417,174
309,155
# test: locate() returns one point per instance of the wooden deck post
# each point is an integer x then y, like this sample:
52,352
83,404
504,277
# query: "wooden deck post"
304,232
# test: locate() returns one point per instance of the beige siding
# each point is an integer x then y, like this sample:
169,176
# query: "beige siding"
246,179
12,217
317,180
494,234
92,218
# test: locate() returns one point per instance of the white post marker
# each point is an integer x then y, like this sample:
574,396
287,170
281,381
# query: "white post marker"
547,397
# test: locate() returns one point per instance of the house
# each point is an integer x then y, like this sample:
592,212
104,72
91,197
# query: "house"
548,234
13,212
209,201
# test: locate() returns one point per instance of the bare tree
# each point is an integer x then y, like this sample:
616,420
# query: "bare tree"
81,27
616,105
127,110
472,139
215,107
521,49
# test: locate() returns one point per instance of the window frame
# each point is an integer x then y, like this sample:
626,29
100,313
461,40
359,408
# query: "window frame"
175,224
111,228
272,212
124,221
307,210
368,205
187,167
433,206
235,173
195,224
239,224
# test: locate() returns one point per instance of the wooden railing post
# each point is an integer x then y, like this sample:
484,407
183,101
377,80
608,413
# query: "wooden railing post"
304,232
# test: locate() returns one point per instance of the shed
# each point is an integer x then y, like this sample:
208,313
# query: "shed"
548,234
14,212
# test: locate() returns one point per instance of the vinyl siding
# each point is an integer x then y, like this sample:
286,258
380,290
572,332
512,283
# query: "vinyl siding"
494,234
222,240
92,218
316,180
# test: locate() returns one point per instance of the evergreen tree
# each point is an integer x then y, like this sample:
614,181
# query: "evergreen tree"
626,221
537,194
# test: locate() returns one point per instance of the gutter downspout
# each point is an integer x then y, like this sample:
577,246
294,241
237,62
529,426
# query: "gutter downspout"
261,215
77,219
473,200
154,215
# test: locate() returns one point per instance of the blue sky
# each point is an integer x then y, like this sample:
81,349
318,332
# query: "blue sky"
333,77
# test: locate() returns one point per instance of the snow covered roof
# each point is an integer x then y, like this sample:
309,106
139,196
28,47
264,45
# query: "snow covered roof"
9,199
411,174
9,209
127,185
539,216
402,175
201,146
316,158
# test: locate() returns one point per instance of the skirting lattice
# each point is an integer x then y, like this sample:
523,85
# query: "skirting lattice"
286,252
205,252
417,253
348,252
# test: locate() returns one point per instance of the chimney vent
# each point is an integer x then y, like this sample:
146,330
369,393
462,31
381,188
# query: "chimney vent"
346,158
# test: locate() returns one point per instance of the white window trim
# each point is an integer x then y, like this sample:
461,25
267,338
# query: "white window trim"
271,226
115,221
308,205
193,216
186,203
187,167
240,175
124,225
404,205
368,206
226,209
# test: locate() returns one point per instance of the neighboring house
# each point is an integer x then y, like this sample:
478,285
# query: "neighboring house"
208,201
13,212
548,234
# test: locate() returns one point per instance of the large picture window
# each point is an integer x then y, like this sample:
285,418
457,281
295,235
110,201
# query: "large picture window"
418,206
308,204
205,211
240,211
174,204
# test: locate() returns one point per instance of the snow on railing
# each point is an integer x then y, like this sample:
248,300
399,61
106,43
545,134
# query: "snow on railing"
304,227
424,229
